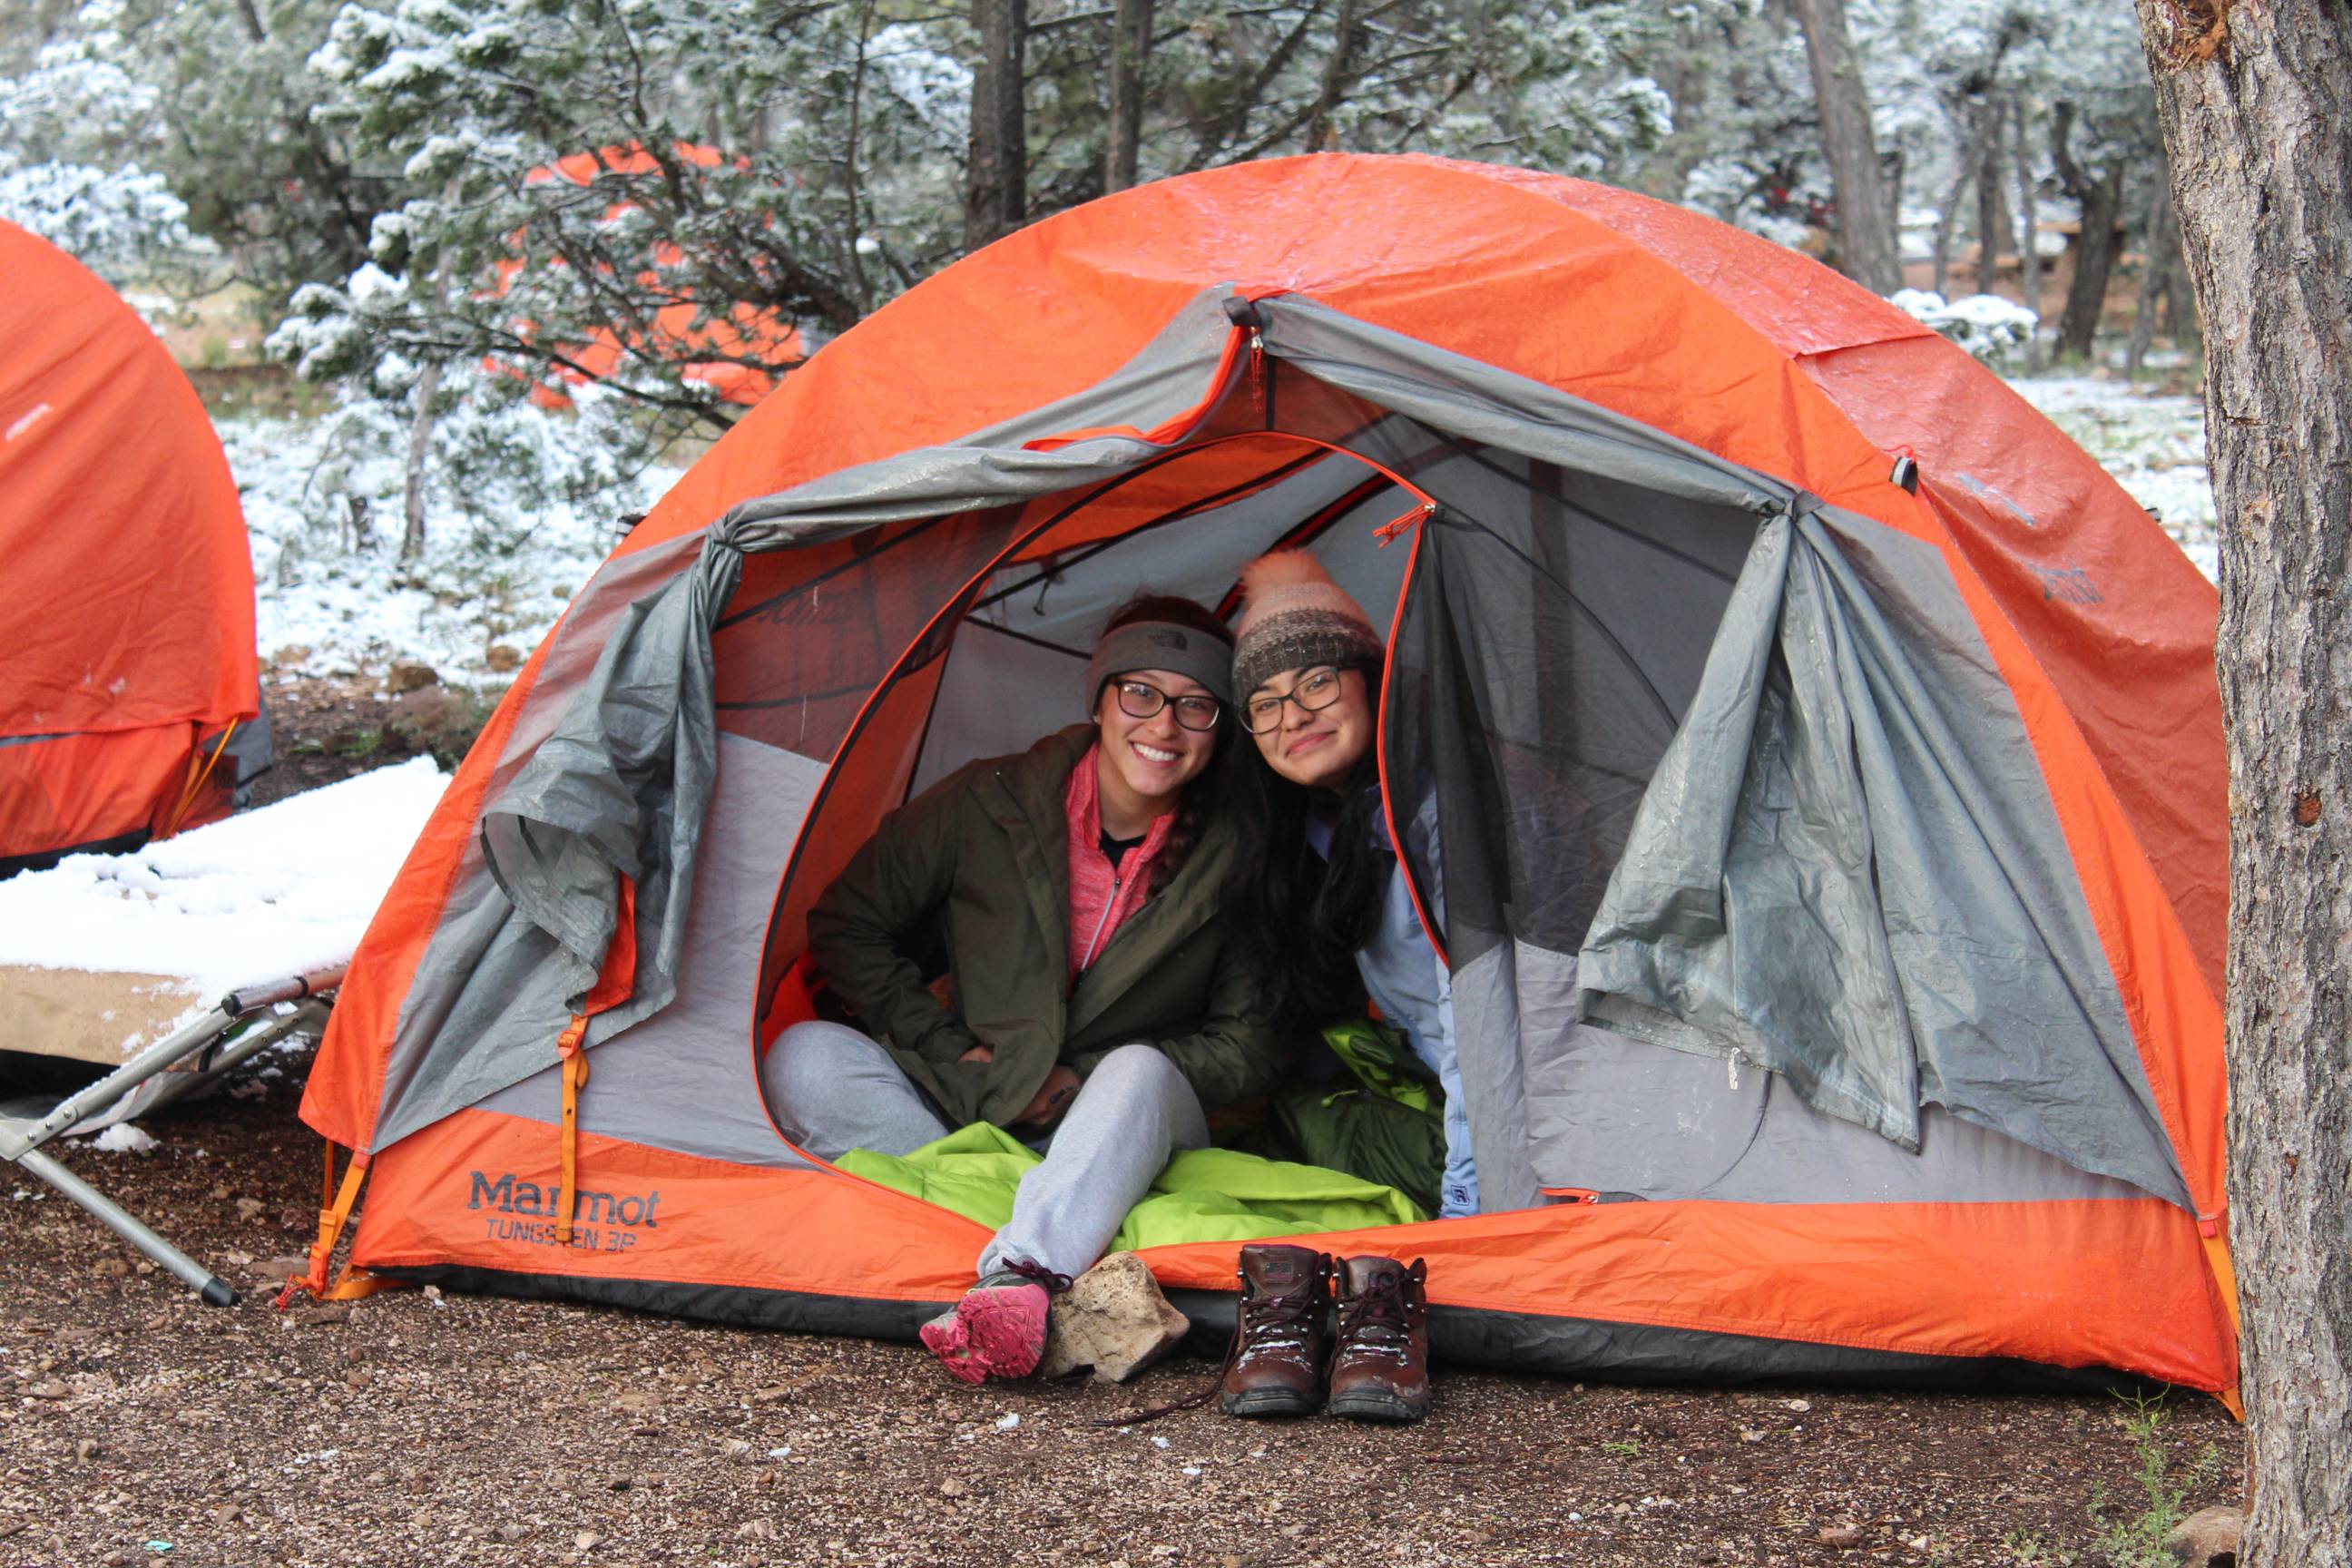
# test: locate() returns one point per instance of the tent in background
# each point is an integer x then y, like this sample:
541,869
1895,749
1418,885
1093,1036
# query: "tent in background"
129,697
1827,756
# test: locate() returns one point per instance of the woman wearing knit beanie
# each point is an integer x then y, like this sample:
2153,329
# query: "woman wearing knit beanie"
1096,1005
1322,896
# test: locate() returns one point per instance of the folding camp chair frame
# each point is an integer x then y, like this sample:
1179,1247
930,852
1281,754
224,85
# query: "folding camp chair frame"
243,1024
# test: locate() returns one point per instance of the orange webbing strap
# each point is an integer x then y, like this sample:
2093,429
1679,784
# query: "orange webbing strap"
188,795
339,1201
575,1073
2225,1278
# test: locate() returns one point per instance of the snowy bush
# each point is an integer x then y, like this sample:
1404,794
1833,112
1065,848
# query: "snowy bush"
522,504
1989,327
121,224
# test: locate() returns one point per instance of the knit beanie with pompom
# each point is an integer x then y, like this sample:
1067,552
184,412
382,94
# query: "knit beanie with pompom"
1294,617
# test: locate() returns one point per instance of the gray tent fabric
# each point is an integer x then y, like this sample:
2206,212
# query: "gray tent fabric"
1476,401
1847,870
1621,1117
676,1081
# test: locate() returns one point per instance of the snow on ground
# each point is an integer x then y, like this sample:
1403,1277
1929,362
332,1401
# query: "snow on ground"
503,557
267,893
2152,442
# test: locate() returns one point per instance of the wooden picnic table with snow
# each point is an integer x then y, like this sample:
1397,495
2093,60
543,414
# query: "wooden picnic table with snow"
105,953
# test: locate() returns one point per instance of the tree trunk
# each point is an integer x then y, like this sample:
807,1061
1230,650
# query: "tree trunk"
1131,50
1865,228
413,473
1993,233
2029,257
1946,218
2252,97
2161,246
2102,197
996,198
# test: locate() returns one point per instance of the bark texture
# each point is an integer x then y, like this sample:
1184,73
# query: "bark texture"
996,197
1994,233
2101,193
1865,227
1130,49
2256,102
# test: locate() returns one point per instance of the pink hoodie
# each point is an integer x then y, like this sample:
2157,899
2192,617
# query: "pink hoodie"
1102,896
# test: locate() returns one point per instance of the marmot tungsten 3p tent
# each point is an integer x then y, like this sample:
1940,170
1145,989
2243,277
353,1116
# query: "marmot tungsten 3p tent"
1827,757
128,688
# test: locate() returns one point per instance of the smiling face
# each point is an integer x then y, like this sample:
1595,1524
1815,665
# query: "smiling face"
1144,763
1315,747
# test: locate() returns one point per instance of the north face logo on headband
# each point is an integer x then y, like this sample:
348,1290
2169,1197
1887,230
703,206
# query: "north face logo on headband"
1168,637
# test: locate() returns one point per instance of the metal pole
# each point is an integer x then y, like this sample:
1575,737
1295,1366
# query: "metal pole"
18,1137
214,1291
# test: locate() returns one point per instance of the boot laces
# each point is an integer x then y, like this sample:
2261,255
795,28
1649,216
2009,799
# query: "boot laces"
1267,1317
1379,1311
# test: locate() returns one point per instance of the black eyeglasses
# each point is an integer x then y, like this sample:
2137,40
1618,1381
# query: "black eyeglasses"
1317,690
1141,699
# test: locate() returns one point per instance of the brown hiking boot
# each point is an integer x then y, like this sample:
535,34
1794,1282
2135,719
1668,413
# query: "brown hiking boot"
1281,1326
1380,1363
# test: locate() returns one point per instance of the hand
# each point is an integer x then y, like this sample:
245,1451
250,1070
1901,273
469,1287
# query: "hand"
1060,1087
979,1054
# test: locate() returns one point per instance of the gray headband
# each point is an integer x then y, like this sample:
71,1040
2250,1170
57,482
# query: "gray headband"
1162,645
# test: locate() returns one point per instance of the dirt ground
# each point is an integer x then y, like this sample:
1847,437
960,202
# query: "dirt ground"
138,1426
324,729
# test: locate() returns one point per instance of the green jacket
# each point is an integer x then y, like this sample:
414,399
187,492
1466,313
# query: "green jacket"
986,851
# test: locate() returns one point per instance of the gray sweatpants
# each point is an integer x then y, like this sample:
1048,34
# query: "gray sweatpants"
833,1090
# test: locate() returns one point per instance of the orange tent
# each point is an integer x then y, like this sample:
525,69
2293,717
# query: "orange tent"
742,332
1826,753
126,644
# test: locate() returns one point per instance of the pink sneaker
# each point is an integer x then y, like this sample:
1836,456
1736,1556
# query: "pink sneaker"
998,1329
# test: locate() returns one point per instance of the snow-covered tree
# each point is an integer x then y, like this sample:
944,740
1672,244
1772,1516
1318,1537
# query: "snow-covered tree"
635,192
206,102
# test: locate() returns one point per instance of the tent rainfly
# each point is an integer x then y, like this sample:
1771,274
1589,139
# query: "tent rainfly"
129,697
1826,755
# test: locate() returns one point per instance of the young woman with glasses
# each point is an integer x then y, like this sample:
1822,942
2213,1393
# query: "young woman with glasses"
1094,1003
1319,894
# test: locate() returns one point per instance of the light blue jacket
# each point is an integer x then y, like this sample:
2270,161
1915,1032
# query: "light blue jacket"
1406,981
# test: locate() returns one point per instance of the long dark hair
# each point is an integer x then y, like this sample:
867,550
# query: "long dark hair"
1298,917
1197,806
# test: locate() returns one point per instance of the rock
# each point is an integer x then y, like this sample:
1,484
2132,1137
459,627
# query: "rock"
251,1208
1112,1319
511,1533
1841,1536
111,1269
952,1487
586,1540
503,658
49,1388
756,1530
410,677
2208,1538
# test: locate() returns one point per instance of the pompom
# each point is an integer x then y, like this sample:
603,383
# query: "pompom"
1282,569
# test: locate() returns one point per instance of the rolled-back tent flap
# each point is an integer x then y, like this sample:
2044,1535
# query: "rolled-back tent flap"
1847,870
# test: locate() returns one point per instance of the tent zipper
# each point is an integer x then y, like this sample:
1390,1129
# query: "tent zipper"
1118,881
